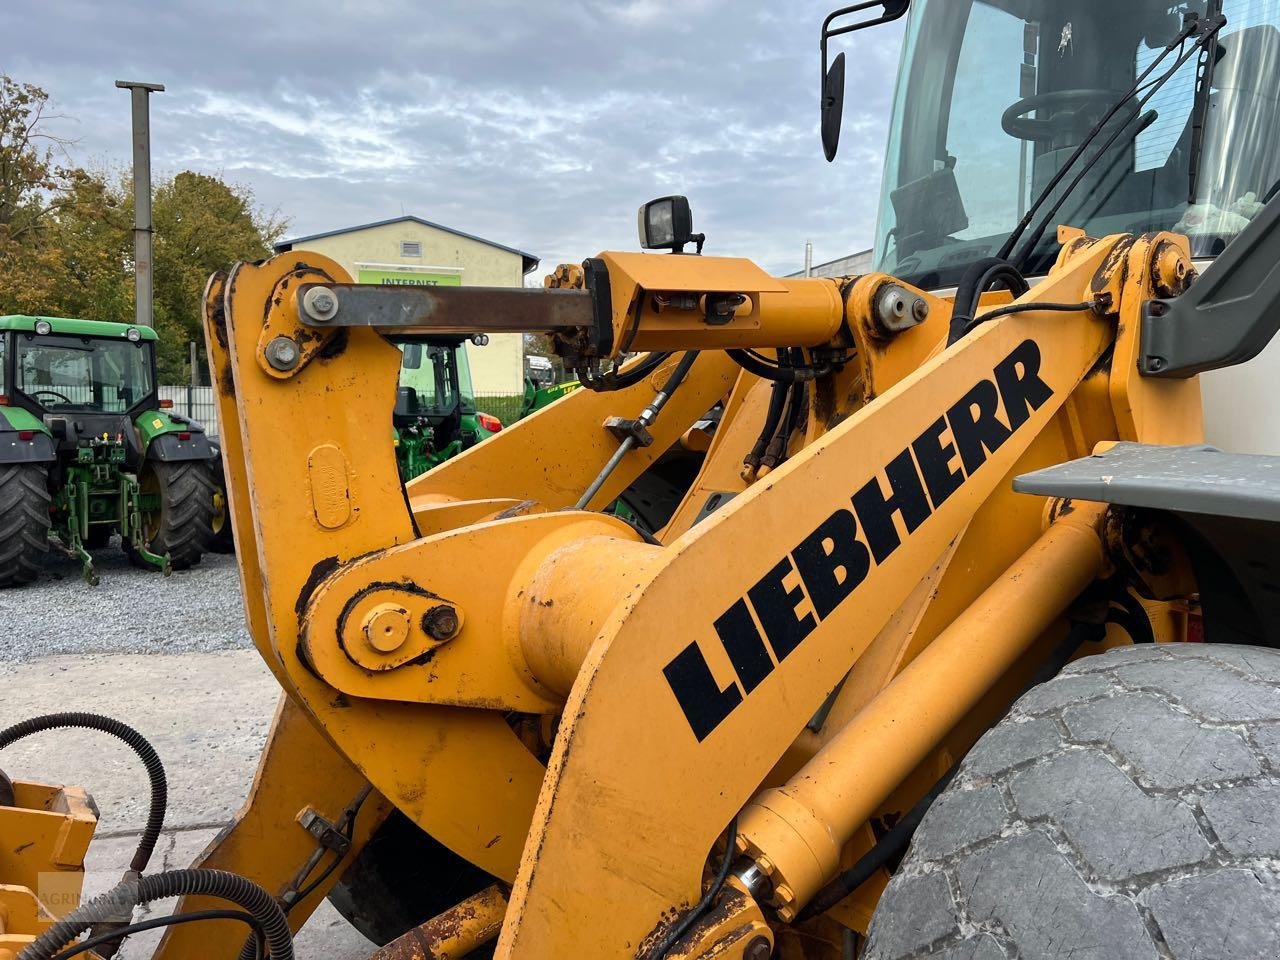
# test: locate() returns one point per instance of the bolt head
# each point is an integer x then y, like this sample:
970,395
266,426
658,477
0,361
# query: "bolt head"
758,949
320,304
441,623
283,353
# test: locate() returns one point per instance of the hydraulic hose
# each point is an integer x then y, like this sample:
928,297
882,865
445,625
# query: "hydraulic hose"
135,741
780,374
245,893
977,280
772,417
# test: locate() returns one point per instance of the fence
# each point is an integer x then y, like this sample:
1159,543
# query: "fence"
504,406
194,402
197,403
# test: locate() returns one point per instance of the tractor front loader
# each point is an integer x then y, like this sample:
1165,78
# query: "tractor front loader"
960,644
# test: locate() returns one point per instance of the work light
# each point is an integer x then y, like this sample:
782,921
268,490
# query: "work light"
44,327
666,224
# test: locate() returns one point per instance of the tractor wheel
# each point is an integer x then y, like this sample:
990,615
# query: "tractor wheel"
404,877
181,525
24,522
222,539
1128,809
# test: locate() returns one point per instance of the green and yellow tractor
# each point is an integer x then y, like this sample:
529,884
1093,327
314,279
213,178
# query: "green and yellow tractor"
88,450
435,416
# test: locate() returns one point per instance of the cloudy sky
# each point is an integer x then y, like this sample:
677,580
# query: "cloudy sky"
538,125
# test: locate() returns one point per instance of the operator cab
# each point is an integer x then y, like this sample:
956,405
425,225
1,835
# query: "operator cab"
435,390
81,386
995,96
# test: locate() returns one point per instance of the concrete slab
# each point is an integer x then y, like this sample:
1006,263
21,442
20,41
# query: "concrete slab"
207,715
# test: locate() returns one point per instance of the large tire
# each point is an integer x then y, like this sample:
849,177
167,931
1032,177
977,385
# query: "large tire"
24,522
401,878
1127,810
181,527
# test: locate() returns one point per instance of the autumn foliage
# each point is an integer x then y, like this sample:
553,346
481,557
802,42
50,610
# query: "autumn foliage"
66,241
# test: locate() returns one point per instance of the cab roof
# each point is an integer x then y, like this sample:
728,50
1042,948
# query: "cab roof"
76,328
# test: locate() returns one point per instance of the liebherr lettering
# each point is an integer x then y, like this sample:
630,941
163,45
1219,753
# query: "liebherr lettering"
760,630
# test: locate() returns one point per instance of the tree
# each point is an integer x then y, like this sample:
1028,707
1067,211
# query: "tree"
202,224
30,180
66,244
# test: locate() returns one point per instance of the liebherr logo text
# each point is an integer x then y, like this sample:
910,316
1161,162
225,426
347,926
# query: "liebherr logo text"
836,557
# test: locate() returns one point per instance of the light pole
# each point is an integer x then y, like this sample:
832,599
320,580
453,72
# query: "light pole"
141,96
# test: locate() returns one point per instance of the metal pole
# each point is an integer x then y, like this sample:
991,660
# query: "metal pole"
808,258
140,94
195,380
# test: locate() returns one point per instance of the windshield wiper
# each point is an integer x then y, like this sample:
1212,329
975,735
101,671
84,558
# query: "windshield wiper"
1204,30
1200,110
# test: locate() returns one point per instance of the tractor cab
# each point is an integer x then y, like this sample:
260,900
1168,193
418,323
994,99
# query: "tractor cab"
996,97
89,451
83,387
435,415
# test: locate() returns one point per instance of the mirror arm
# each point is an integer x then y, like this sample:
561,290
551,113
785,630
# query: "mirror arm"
1229,315
893,10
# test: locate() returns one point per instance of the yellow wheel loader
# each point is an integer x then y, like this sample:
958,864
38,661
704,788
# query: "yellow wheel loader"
961,644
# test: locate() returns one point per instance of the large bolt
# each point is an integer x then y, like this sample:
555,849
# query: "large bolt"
898,309
758,949
386,627
283,353
441,623
320,304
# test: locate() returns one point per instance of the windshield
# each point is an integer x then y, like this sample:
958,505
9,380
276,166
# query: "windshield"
81,373
435,379
995,95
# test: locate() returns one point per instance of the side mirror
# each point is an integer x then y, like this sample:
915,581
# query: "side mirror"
832,106
833,75
1230,313
412,356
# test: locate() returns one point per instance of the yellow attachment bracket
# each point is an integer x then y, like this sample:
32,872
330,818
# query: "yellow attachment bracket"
285,510
44,836
418,623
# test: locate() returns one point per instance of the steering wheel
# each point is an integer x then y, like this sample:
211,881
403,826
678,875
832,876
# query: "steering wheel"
1069,109
54,393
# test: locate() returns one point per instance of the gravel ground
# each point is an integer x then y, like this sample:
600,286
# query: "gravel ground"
130,611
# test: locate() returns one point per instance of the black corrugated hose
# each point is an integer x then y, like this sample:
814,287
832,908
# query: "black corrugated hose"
136,741
241,891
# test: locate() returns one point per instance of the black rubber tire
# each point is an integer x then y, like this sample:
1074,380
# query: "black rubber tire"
24,522
404,877
182,529
1128,809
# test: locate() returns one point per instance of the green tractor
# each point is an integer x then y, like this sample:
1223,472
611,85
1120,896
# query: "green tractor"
88,450
540,386
435,415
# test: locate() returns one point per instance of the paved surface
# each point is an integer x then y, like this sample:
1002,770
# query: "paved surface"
206,713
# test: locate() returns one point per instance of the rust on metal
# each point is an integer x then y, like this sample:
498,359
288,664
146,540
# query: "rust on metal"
453,934
405,310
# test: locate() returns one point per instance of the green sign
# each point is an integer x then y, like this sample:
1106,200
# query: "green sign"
406,278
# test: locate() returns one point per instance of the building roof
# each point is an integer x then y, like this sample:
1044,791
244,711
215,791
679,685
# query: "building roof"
530,261
849,266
